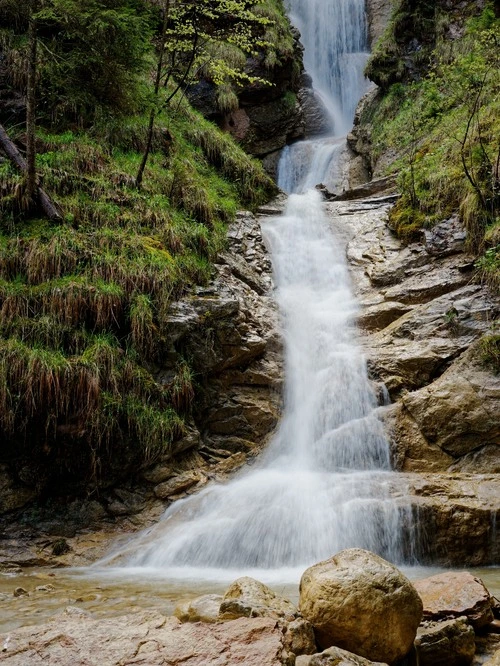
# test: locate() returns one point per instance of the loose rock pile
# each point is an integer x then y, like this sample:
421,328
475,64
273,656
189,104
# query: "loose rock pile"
356,607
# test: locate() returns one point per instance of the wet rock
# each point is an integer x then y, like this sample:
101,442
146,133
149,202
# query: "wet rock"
146,638
177,484
445,238
448,643
247,597
459,411
13,495
410,451
361,603
379,316
373,187
453,517
487,648
201,609
45,588
335,656
379,13
20,592
485,460
316,117
455,594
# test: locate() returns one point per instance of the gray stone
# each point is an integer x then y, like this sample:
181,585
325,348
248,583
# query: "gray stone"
448,643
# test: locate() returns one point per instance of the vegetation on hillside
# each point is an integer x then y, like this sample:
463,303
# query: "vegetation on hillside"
443,123
84,299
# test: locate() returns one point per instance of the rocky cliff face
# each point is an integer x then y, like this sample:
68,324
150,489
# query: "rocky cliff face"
230,332
423,317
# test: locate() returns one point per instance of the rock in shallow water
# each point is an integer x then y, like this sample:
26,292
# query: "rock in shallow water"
359,602
247,597
201,609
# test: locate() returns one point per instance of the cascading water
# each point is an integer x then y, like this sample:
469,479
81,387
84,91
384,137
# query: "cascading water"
336,50
323,483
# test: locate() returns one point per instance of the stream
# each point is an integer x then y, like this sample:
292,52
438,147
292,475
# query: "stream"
323,484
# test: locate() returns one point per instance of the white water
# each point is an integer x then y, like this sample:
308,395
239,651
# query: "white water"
335,38
323,483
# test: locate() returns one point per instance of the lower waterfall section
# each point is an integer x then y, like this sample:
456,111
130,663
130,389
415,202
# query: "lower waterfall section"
324,482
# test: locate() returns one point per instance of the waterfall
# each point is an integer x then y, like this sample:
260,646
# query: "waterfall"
334,35
323,484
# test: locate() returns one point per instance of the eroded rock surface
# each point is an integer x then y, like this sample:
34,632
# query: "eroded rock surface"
335,656
247,597
455,594
146,638
423,317
229,331
448,643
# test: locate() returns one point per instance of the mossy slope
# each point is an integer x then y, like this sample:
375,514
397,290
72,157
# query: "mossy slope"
83,302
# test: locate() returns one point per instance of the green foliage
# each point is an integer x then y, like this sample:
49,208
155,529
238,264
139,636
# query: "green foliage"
490,352
445,130
109,39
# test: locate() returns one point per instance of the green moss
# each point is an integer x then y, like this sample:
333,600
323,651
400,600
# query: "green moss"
83,302
444,132
490,352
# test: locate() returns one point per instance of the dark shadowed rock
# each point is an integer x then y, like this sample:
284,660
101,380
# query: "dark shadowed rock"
449,643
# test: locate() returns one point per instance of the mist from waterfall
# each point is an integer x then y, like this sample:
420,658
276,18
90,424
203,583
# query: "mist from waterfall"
323,483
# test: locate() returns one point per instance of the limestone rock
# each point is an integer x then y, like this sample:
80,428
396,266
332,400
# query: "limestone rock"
495,660
201,609
459,411
485,460
379,13
247,597
335,656
13,495
145,638
445,238
449,643
361,603
177,484
455,594
411,452
454,515
299,637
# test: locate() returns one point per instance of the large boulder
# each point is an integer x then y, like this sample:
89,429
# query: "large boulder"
361,603
449,643
454,594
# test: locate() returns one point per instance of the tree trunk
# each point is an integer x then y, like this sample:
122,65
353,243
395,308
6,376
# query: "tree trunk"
31,186
152,116
48,206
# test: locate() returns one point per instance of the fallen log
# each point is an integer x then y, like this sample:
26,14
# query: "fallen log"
10,149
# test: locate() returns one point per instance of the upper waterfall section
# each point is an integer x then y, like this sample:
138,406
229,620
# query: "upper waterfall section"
334,34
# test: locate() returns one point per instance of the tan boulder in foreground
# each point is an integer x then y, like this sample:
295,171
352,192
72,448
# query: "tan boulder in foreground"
361,603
